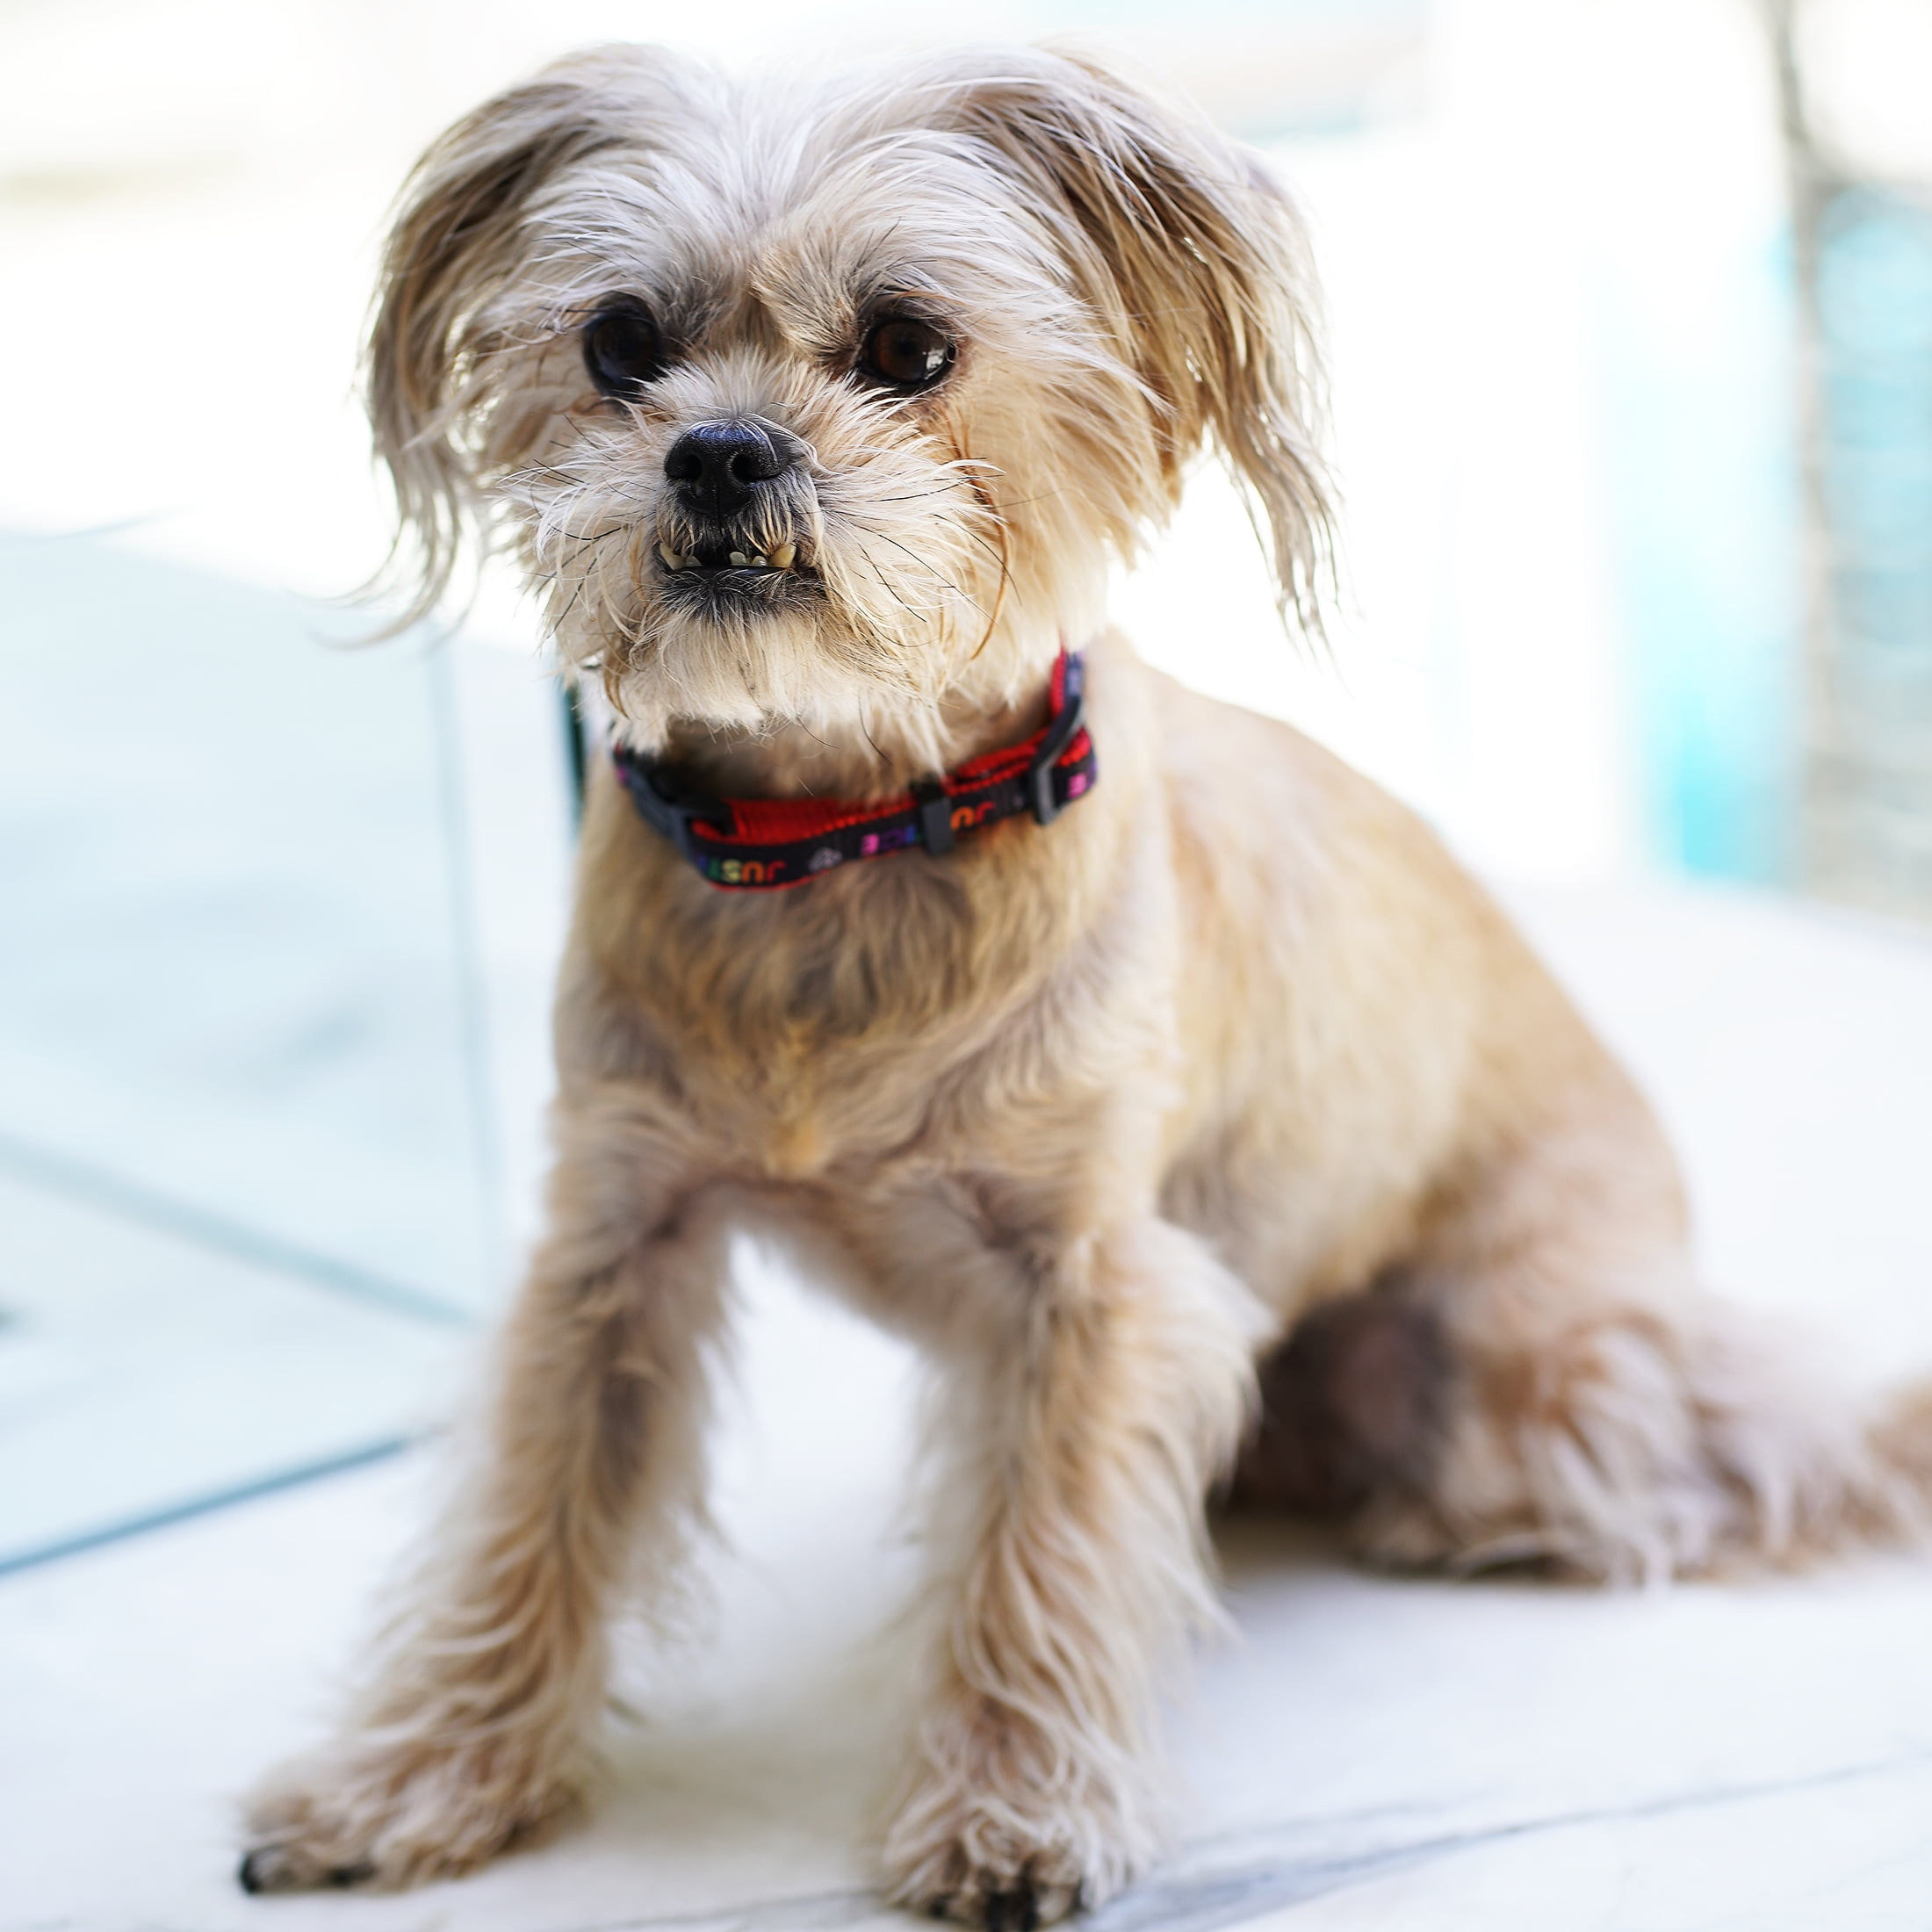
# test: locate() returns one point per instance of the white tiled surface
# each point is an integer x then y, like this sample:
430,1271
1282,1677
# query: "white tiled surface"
1370,1754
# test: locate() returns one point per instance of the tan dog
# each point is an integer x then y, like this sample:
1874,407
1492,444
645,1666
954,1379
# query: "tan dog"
818,413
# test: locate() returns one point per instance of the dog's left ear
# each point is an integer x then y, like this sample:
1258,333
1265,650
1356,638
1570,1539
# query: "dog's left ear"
1194,261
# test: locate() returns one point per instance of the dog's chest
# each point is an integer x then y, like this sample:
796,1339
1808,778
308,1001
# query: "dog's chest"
886,1016
807,1105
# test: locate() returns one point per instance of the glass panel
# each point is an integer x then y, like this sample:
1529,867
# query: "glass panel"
242,1119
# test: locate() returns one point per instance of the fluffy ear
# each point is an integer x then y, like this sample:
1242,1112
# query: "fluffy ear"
1196,264
459,240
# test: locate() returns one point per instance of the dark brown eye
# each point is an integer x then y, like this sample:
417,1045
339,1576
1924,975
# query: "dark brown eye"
906,353
622,346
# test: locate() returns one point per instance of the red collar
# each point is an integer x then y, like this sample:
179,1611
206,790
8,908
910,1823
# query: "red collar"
767,844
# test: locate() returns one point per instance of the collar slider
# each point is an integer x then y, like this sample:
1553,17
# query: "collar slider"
934,805
1060,732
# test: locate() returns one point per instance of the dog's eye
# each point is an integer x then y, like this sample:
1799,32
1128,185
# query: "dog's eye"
906,353
622,346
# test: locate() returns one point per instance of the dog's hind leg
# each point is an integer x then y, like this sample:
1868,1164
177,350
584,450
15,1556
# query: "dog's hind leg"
1355,1401
1095,1387
472,1732
1572,1397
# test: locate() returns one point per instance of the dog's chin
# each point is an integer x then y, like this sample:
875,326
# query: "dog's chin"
713,589
720,640
745,654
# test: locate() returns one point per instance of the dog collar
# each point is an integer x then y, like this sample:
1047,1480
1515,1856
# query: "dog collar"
763,845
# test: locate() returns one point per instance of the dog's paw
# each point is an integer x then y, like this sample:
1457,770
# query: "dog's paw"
1002,1846
387,1821
291,1865
1003,1895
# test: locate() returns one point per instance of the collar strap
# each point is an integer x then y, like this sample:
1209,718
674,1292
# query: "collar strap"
767,844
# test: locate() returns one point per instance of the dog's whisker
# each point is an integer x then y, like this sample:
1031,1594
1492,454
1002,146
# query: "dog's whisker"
923,564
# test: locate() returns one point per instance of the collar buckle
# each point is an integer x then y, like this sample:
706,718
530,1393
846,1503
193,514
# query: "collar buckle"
669,808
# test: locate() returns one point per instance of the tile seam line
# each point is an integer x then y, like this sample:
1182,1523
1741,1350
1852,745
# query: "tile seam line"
1215,1911
38,1556
97,1187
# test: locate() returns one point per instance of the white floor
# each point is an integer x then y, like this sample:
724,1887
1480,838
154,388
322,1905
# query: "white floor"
1371,1752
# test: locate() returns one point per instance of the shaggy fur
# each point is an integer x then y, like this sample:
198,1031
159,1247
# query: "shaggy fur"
1095,1112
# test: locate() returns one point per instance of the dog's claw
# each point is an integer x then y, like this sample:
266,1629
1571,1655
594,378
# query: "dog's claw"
273,1868
1014,1911
265,1869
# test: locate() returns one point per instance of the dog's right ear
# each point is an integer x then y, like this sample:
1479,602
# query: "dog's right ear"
460,239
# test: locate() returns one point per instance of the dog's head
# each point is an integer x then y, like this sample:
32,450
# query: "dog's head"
830,405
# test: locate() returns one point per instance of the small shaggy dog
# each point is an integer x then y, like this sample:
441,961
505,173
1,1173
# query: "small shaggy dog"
1105,1041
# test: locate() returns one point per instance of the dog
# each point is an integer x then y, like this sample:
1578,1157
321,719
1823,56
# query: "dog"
1161,1079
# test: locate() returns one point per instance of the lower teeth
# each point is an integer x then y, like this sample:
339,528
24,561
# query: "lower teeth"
781,559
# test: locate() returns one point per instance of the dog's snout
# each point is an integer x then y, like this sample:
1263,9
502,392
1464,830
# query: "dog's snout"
718,464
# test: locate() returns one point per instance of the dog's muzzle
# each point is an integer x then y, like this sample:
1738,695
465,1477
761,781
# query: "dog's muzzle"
731,481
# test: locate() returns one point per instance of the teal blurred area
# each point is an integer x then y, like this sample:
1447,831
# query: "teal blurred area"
1707,517
1875,325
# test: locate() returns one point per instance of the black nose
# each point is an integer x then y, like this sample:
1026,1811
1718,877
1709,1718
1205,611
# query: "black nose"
718,464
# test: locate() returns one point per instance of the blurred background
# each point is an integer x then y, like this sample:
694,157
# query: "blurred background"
1631,311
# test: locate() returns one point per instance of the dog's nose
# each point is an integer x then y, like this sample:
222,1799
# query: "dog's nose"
718,463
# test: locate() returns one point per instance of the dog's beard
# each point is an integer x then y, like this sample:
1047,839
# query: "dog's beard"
849,595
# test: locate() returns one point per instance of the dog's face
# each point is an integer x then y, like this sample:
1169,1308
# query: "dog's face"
829,407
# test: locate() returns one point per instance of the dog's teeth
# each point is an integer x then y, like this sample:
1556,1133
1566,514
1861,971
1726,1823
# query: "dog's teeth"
738,560
783,554
758,563
671,561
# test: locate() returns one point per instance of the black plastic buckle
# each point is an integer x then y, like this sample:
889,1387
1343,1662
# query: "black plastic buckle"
1061,733
668,808
934,805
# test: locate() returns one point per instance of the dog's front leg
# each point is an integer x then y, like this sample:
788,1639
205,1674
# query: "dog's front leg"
472,1733
1099,1383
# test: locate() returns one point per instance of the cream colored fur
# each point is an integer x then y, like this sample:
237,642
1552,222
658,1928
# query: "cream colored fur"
1093,1111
